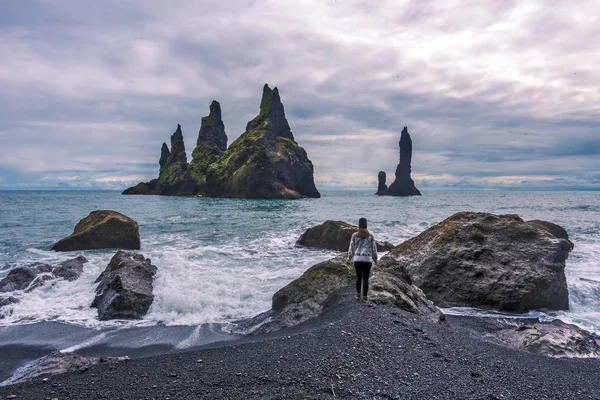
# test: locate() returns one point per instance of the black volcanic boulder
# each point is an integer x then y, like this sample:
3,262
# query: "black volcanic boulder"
489,261
102,229
70,270
334,235
265,162
305,297
6,301
36,274
18,279
125,287
330,235
554,339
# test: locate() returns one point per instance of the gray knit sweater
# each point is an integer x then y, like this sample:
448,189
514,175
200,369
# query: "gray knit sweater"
362,250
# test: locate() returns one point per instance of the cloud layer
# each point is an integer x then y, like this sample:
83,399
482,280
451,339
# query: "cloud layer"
495,94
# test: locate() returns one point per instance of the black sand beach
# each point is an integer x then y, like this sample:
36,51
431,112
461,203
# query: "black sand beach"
353,350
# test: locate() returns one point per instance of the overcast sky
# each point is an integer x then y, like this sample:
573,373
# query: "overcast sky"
495,94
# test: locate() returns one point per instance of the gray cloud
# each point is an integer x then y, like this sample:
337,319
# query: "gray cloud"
496,95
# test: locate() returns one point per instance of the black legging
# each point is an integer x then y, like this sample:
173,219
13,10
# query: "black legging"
363,269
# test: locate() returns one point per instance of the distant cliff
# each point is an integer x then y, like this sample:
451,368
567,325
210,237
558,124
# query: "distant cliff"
264,162
403,185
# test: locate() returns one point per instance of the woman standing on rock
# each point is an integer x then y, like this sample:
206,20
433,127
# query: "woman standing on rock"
363,251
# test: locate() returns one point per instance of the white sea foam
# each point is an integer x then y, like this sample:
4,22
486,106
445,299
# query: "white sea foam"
195,284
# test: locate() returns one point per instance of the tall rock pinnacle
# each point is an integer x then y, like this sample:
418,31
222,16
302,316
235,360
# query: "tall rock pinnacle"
265,161
173,163
381,186
212,128
211,143
177,148
403,185
273,113
164,154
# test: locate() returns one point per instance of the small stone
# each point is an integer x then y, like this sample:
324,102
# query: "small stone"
45,380
11,396
199,361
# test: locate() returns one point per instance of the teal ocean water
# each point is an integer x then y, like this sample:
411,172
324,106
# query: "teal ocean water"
222,259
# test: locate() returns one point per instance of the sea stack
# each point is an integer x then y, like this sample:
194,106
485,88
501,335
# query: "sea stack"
381,187
210,145
265,162
174,177
403,185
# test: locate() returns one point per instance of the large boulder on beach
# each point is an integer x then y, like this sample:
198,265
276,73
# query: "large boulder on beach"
334,235
488,261
555,339
125,287
305,297
102,229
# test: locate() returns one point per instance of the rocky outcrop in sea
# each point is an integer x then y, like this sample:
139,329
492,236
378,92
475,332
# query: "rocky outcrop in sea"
403,185
125,287
334,235
381,185
27,279
264,162
102,229
487,261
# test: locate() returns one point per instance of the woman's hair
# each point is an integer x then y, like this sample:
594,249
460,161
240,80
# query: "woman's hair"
363,233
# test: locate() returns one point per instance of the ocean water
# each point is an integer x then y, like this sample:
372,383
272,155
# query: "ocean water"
222,259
